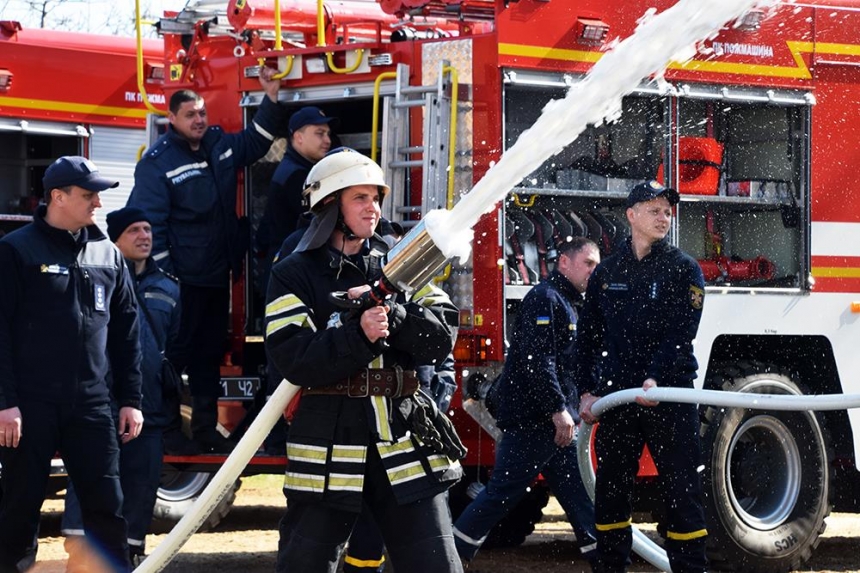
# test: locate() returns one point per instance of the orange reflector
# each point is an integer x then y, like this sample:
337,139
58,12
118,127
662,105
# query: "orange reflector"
855,307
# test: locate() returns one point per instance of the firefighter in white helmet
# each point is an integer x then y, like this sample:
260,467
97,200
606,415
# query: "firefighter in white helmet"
359,436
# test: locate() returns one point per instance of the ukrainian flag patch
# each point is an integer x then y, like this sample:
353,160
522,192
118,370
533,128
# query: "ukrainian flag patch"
542,320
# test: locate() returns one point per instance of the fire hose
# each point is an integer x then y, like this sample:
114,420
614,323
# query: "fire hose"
223,480
642,545
724,268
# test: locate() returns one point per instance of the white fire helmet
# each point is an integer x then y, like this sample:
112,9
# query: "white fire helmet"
338,170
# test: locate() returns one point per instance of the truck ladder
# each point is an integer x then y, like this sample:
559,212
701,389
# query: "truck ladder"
400,159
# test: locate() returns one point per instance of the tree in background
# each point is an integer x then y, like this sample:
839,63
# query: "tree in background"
92,16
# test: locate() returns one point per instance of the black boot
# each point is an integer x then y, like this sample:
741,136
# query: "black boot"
204,419
176,442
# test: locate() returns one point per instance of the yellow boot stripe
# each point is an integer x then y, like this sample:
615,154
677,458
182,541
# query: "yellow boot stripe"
362,563
611,526
686,536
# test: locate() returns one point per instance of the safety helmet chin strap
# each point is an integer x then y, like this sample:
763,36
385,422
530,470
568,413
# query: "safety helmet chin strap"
348,235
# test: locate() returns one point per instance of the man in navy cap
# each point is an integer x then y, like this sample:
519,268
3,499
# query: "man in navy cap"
67,313
186,183
641,313
309,140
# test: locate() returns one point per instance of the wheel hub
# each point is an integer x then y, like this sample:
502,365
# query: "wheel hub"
764,472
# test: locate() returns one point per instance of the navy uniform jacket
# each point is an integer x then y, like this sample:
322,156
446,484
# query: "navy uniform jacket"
190,197
284,204
329,435
67,315
160,294
537,380
644,315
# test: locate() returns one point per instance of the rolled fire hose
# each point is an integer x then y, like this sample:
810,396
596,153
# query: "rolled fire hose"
642,545
223,480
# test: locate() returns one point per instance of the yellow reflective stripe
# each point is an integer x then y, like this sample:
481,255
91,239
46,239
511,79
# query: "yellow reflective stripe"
348,453
345,482
283,303
404,444
405,472
439,462
430,295
611,526
380,409
376,362
304,482
364,563
305,453
686,536
299,319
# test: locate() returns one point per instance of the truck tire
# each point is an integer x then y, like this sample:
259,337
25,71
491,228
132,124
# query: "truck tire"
178,492
767,478
518,524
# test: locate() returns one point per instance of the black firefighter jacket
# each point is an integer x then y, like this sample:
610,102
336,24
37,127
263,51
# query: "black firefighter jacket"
312,343
67,316
644,316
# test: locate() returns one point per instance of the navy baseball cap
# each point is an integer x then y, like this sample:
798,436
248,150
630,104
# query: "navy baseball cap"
75,170
649,191
310,116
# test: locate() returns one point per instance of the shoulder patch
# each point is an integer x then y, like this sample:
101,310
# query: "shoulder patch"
697,297
542,320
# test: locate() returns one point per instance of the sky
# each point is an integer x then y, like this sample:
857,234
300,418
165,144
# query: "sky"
94,16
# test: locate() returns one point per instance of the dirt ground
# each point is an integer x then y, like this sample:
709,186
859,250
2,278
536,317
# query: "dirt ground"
247,539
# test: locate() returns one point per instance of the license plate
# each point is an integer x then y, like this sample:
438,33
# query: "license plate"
239,388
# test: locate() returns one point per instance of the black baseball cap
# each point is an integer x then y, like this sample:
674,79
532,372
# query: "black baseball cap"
310,116
75,170
649,191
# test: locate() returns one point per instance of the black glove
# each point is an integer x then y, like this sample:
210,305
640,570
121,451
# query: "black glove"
431,426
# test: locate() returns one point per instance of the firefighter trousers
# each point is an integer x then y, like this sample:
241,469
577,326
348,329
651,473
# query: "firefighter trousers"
522,454
86,438
671,433
417,535
140,476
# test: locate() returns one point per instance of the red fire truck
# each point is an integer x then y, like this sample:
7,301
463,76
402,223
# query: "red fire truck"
757,132
63,93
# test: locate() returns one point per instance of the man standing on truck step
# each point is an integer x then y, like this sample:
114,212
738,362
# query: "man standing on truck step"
535,403
140,460
186,183
67,314
361,436
641,314
308,141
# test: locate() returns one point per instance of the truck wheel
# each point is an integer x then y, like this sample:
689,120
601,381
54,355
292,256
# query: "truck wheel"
767,482
178,492
513,529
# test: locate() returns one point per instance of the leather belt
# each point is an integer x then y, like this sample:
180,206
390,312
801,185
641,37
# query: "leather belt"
390,382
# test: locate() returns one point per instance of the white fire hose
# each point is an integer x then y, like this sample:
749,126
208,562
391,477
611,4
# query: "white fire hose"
223,481
642,545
